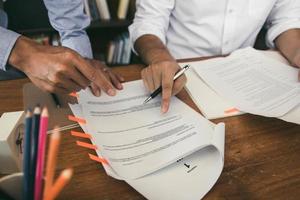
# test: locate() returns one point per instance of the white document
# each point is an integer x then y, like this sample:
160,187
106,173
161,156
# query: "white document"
212,106
293,115
77,111
188,178
137,139
253,82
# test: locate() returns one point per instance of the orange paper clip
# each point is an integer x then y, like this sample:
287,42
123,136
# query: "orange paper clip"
80,134
86,145
231,110
74,94
76,119
98,159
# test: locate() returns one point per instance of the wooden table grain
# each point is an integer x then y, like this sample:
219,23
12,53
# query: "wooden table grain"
262,156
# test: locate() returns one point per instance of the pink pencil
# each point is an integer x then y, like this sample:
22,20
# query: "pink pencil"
41,155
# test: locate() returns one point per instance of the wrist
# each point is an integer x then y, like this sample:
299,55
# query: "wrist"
22,52
161,55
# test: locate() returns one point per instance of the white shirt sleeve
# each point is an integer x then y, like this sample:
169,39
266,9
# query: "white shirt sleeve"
151,17
285,15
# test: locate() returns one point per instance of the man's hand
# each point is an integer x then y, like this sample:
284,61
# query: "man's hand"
162,74
56,69
107,74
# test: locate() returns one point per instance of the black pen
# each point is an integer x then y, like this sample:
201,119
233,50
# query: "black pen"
55,99
159,90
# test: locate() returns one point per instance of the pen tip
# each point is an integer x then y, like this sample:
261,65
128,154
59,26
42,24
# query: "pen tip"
146,101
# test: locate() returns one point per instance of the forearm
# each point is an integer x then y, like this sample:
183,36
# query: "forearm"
7,41
152,50
288,44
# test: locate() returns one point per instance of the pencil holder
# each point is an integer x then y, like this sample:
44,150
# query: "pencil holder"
11,142
12,185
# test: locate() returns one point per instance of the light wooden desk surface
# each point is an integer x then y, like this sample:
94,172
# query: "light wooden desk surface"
262,156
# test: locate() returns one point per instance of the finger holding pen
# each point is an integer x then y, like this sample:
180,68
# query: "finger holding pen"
172,83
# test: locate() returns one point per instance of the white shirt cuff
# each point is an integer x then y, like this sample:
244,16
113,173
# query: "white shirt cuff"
136,31
275,30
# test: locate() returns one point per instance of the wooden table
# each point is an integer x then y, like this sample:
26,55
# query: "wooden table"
262,156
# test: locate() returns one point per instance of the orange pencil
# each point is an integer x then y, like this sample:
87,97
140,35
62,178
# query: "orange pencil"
59,184
51,161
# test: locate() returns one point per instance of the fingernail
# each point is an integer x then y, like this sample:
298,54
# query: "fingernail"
164,109
120,86
111,92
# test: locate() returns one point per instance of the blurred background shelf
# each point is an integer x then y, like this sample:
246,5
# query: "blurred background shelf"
29,18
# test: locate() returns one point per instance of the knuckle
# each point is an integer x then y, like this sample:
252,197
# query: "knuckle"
167,86
61,69
56,83
54,79
68,54
50,88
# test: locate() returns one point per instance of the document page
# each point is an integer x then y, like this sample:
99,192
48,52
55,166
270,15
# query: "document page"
211,104
138,139
253,82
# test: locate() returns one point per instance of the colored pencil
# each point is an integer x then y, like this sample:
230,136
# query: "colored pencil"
59,184
27,156
38,184
51,161
35,137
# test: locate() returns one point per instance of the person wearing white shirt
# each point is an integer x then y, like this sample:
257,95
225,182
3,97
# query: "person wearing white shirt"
166,30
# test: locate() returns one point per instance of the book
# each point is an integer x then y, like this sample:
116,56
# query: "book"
213,105
147,149
110,52
119,50
95,15
123,9
103,9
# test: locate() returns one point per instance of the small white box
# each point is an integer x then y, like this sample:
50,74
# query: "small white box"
12,129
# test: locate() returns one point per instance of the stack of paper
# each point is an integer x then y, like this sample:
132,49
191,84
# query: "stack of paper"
178,155
251,81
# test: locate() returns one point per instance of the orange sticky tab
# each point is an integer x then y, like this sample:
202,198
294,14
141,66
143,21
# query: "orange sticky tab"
74,94
86,145
76,119
98,159
80,134
231,110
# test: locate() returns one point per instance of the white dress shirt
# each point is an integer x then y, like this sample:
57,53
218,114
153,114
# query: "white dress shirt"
193,28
